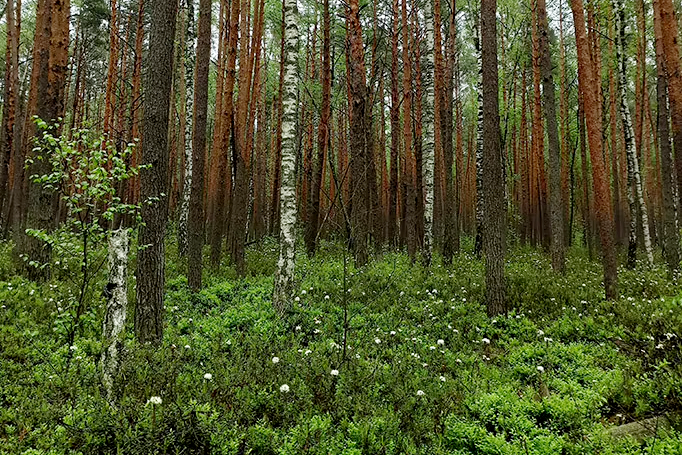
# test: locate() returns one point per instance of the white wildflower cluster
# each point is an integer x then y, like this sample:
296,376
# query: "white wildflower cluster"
155,400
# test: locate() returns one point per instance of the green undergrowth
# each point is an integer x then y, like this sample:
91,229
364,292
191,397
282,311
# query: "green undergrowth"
421,368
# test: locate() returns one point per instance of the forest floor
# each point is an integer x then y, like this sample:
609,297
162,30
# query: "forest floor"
389,359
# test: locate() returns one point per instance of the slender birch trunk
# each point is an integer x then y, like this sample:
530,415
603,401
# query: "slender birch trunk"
428,152
115,315
189,61
635,193
284,280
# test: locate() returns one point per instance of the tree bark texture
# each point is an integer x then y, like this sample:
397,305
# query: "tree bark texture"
158,78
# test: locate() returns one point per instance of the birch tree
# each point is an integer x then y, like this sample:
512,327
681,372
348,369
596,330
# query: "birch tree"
284,279
189,62
116,310
634,192
428,153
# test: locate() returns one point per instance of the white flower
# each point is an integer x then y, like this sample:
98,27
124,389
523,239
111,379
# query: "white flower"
377,341
440,342
275,360
420,393
307,351
458,360
541,369
155,400
187,346
326,297
334,372
541,333
297,299
442,379
485,341
208,376
298,328
284,388
304,292
392,332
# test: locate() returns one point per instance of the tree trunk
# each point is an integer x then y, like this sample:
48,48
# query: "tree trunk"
222,161
395,128
671,53
116,310
556,207
451,199
360,204
428,151
9,108
198,157
635,194
478,242
323,135
189,62
588,81
154,179
284,280
493,171
670,235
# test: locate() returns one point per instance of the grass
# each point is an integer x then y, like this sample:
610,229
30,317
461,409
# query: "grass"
422,369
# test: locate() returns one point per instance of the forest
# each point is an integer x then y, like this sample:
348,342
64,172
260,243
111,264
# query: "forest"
428,227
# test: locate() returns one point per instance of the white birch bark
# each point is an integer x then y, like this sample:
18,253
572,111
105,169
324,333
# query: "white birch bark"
115,315
189,61
478,245
284,279
634,176
428,151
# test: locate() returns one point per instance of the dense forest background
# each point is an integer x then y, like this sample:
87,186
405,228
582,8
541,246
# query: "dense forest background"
375,157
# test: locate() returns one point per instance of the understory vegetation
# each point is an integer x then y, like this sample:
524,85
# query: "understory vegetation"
392,358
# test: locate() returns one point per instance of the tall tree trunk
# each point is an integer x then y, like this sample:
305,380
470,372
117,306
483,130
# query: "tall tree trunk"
588,81
284,280
451,199
408,220
493,171
189,63
222,160
9,108
428,151
478,242
360,204
635,193
323,135
671,53
112,73
395,128
154,179
198,157
671,235
50,107
556,207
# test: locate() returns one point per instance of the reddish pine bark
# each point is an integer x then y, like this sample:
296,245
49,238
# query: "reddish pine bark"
589,82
